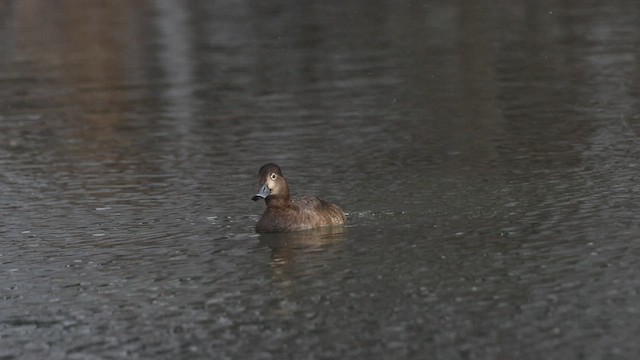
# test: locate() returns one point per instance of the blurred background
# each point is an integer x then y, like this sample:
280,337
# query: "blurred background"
486,154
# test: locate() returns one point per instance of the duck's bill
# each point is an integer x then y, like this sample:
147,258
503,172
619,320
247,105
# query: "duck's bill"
262,194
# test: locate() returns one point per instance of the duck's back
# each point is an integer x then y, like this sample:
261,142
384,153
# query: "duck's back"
304,213
323,212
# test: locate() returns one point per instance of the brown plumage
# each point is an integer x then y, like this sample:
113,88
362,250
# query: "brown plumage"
283,214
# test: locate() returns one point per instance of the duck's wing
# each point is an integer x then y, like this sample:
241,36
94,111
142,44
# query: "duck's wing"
325,213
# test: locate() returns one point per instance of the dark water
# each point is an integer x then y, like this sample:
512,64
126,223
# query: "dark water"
487,155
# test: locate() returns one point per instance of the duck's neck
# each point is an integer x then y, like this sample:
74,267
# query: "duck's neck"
279,200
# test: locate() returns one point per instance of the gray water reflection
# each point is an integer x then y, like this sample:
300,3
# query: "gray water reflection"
487,155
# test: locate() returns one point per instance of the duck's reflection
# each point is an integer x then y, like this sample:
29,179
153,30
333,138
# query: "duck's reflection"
296,253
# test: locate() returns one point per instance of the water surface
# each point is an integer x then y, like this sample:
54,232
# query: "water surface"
487,156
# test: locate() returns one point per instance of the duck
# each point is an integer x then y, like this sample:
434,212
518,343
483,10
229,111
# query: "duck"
284,214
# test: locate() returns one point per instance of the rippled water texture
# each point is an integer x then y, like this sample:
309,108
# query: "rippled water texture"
487,155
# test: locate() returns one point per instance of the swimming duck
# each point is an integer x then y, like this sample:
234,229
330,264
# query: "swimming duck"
283,214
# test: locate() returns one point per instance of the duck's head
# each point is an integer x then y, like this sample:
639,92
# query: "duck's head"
272,183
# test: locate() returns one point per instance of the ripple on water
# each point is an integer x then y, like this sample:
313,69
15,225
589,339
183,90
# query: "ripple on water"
490,183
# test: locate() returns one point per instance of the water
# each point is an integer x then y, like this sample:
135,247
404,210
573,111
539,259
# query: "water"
487,156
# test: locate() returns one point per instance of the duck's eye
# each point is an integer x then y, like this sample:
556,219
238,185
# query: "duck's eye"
273,176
